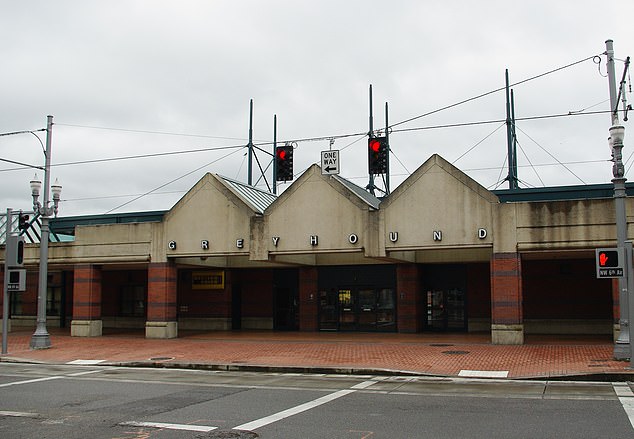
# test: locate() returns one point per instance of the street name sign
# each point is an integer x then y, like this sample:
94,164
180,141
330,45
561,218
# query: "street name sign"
330,162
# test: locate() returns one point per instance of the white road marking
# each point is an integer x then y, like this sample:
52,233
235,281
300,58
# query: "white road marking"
85,362
85,372
253,425
484,373
36,380
626,397
167,426
19,414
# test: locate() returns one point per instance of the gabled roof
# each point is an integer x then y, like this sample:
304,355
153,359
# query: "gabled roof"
366,196
255,198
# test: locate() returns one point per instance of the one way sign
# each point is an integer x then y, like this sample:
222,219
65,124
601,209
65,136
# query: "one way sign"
330,162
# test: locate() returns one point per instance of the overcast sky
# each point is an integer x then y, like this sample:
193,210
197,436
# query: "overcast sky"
132,78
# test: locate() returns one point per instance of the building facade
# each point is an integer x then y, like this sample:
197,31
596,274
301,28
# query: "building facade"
440,253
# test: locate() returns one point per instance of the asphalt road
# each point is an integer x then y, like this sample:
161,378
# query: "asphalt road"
44,401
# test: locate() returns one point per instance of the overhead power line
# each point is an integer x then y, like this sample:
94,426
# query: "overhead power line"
492,91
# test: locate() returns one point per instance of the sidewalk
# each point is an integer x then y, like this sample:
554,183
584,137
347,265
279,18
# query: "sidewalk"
426,354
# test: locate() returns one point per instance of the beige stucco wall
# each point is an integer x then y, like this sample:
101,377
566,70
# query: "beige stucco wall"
573,224
110,243
319,206
436,197
208,212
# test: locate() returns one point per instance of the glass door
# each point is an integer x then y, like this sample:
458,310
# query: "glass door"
357,309
385,310
446,310
347,310
367,310
328,310
436,312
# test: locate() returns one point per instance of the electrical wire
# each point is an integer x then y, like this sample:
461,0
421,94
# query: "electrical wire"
171,181
547,152
13,133
491,92
474,146
163,133
529,162
401,163
133,157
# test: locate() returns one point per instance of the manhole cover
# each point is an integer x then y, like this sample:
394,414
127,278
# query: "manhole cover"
441,345
161,358
229,434
455,352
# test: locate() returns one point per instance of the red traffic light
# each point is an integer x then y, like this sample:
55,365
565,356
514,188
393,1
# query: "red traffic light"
375,145
281,153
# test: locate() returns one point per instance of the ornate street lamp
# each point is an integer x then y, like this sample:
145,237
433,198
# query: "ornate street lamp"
41,338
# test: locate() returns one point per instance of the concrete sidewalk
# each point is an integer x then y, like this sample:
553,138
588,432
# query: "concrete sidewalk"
426,354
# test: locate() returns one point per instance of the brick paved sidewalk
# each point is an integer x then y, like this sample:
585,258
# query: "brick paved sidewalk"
432,354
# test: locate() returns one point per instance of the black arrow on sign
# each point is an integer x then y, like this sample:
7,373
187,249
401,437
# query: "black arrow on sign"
328,169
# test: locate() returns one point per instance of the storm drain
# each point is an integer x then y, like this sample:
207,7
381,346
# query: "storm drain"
229,434
455,352
161,358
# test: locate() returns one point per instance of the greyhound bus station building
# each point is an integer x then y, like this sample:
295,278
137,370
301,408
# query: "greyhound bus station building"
440,253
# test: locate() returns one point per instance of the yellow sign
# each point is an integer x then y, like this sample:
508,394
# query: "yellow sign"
208,280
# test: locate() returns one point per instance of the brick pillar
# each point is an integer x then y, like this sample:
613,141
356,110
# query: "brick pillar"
161,301
507,320
408,290
308,299
86,301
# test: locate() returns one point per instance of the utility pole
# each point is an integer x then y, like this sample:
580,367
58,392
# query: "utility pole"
389,152
275,154
622,344
512,160
250,162
371,186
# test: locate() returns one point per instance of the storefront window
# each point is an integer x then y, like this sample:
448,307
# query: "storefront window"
133,300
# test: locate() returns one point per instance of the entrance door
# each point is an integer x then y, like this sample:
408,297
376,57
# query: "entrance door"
357,298
286,316
286,300
445,297
358,309
446,310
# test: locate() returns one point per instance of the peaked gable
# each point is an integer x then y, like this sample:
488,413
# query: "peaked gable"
440,204
212,212
318,205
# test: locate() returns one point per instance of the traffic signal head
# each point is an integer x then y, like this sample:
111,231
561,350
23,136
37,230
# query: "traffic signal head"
23,221
284,163
378,151
15,251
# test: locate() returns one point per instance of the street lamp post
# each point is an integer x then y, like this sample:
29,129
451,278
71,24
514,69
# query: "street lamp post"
41,338
617,133
622,344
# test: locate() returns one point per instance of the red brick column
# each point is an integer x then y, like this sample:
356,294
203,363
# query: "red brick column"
408,290
86,301
506,299
308,299
161,301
